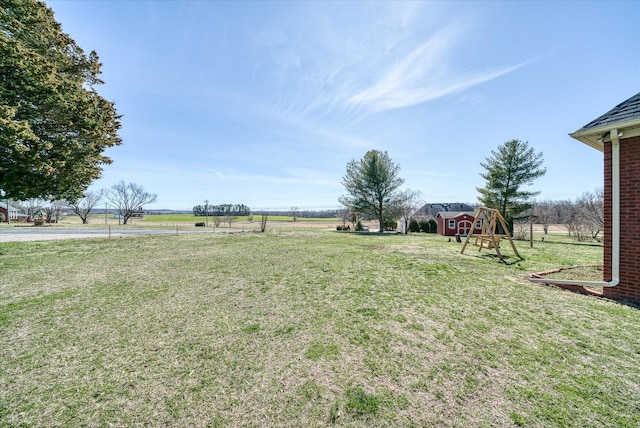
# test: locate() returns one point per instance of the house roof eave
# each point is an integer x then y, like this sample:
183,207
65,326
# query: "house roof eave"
595,137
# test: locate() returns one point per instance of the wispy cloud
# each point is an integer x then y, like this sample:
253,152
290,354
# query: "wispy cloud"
293,176
422,75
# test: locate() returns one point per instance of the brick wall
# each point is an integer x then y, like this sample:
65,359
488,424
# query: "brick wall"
629,287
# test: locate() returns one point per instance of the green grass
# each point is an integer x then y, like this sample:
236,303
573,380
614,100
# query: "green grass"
189,218
172,218
307,328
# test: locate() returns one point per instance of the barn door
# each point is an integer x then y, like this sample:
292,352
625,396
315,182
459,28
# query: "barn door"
464,227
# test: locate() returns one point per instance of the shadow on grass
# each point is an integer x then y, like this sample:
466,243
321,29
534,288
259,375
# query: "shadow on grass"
370,234
579,244
506,259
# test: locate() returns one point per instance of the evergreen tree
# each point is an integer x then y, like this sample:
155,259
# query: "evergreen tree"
372,184
53,124
508,169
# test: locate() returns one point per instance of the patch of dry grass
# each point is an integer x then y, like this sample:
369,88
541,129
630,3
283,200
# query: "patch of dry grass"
306,328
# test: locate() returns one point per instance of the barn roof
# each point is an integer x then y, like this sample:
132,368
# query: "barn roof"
625,117
431,210
454,214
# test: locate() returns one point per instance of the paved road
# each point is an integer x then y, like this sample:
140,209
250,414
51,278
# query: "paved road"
46,234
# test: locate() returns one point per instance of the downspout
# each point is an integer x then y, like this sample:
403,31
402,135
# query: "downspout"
615,225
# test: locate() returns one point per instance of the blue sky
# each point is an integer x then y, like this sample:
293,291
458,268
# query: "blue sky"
264,103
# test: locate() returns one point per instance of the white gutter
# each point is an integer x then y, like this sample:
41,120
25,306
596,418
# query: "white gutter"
615,225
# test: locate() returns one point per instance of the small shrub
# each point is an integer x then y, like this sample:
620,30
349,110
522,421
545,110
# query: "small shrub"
390,224
520,231
414,226
359,227
428,225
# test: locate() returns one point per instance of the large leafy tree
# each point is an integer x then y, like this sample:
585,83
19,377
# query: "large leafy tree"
371,184
508,169
54,126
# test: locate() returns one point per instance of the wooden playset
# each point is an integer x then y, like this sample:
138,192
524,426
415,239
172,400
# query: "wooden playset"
494,228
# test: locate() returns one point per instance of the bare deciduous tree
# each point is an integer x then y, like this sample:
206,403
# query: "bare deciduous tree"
294,213
407,203
229,218
206,212
53,210
344,214
31,206
128,198
568,215
83,206
263,222
591,211
545,214
520,230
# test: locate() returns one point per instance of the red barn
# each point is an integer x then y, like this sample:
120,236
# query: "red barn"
617,134
451,223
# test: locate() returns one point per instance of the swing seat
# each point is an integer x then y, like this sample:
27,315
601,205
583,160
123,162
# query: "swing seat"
484,241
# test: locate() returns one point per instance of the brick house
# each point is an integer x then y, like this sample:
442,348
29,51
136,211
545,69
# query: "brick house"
451,223
617,134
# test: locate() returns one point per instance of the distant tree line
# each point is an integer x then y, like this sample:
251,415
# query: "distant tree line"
333,213
583,218
125,199
222,210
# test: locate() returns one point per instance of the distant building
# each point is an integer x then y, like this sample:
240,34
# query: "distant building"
431,210
451,223
13,213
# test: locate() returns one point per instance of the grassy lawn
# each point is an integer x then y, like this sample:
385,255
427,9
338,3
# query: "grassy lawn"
189,218
307,328
188,221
